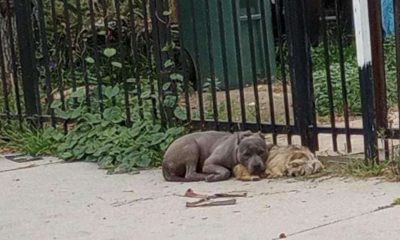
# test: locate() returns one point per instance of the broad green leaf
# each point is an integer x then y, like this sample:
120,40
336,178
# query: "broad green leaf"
66,155
145,95
180,113
157,138
170,101
113,114
176,76
56,104
144,161
79,93
166,86
131,80
167,13
109,52
90,60
169,63
117,64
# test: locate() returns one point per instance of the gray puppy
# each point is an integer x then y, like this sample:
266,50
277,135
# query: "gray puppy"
211,156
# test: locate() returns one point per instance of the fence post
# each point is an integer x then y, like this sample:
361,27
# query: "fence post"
300,71
364,59
23,12
378,68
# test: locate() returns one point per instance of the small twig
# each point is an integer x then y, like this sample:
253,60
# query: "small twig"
207,203
191,194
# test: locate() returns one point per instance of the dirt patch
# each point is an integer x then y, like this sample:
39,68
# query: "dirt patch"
249,104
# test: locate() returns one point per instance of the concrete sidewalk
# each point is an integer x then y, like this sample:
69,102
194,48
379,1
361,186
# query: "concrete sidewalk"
56,200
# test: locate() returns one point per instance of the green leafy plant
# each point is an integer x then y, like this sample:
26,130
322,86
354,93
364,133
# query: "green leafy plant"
105,138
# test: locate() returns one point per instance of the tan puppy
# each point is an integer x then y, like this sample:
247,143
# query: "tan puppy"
290,161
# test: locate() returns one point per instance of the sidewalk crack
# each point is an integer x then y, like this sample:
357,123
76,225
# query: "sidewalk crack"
339,221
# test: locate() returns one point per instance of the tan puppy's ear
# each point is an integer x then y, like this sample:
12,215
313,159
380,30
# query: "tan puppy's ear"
242,135
260,134
269,147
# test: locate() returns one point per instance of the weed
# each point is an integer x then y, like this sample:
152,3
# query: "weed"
29,140
363,169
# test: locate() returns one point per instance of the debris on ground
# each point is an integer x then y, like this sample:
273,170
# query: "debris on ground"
190,193
207,200
210,203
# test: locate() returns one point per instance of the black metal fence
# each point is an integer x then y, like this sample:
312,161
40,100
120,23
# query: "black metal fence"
285,68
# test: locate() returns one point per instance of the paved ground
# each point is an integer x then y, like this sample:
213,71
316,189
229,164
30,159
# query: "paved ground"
55,200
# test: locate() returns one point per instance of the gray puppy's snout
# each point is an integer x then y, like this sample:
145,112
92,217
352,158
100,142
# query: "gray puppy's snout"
258,166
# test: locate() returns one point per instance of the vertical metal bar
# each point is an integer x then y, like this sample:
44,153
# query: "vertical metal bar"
343,74
46,56
36,39
378,69
212,67
105,21
224,62
184,69
238,47
253,62
149,58
86,81
58,65
122,60
80,18
396,9
268,68
282,60
71,64
364,59
4,79
27,56
13,62
165,31
170,55
329,78
197,62
300,69
96,56
136,58
159,60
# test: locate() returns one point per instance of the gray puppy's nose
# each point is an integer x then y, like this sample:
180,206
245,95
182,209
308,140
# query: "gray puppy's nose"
258,166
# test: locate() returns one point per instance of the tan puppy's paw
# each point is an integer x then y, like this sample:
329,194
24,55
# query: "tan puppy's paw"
273,173
317,166
255,178
241,173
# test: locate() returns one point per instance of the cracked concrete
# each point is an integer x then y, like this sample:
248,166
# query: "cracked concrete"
53,200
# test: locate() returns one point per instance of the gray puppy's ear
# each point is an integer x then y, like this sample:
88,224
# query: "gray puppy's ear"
242,135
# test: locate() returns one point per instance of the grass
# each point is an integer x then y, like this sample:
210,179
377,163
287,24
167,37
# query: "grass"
362,169
27,140
352,77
